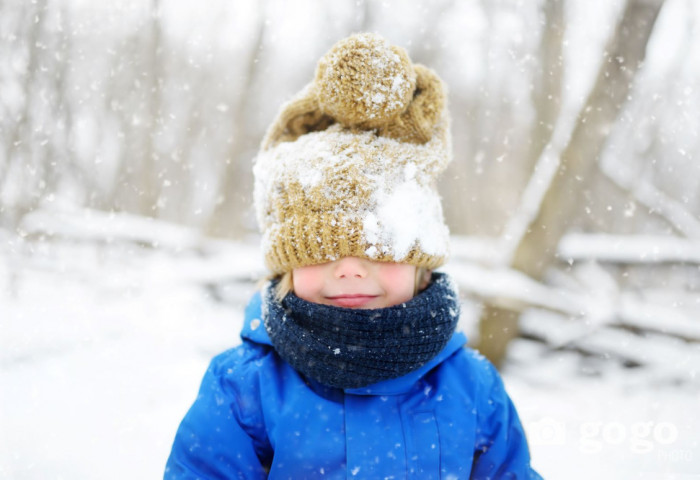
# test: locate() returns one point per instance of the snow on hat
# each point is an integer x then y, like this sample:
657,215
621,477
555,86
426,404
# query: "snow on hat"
349,167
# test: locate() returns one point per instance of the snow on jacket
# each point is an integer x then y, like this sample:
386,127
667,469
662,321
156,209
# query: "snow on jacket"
255,417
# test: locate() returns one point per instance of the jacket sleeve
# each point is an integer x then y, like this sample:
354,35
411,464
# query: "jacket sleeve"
211,441
501,449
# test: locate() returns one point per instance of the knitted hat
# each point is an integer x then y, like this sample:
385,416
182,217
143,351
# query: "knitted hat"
349,167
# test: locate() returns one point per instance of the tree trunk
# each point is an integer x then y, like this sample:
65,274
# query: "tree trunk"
18,141
536,250
546,93
139,184
226,217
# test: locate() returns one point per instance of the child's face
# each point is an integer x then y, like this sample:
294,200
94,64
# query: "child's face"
353,282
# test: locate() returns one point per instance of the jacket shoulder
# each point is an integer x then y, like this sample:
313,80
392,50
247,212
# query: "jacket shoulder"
475,373
500,444
474,367
240,374
225,412
239,363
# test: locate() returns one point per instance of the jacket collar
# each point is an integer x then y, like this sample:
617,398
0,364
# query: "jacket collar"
254,331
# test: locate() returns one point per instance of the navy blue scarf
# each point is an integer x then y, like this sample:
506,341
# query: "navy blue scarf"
351,348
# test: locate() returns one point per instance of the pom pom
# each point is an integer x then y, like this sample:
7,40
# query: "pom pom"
364,81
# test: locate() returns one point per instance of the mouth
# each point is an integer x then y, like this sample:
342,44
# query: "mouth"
351,301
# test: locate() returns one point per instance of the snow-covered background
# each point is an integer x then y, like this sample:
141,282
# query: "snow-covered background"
108,323
127,131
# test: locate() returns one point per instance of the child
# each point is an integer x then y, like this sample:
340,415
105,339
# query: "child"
350,365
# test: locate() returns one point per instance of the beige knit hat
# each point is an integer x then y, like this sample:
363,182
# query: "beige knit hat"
349,167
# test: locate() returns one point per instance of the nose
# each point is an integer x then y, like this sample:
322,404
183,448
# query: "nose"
350,267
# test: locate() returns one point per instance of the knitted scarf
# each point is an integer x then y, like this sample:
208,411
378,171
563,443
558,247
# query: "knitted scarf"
351,348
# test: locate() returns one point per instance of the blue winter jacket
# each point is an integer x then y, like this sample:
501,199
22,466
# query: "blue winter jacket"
255,417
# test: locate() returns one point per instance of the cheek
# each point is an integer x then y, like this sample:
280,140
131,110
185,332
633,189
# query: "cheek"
307,282
400,280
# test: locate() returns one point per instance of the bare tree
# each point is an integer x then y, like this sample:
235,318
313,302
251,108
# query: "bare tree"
536,249
138,187
236,170
546,91
18,140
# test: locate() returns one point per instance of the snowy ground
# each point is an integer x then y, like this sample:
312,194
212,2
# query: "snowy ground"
107,324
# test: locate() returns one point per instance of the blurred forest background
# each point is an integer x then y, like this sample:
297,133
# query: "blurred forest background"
128,245
569,117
